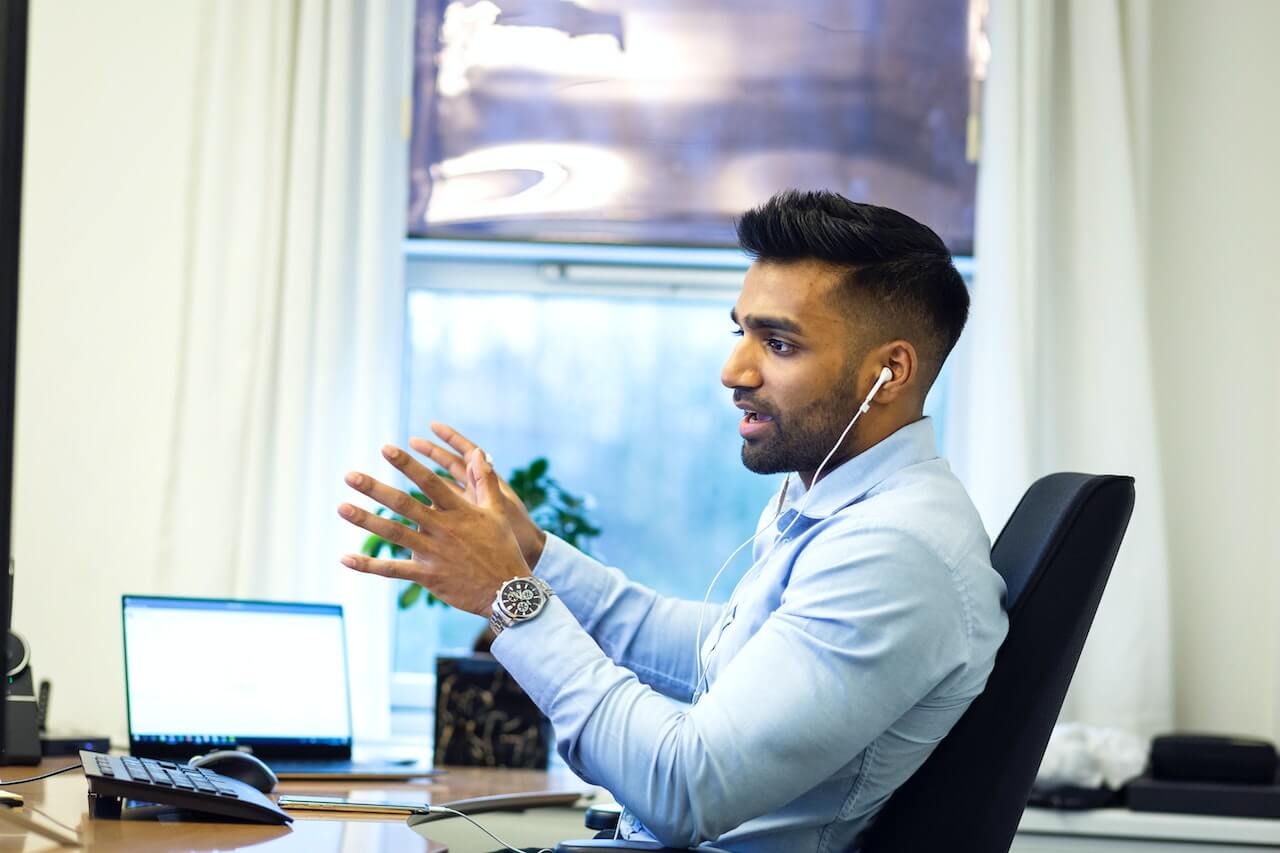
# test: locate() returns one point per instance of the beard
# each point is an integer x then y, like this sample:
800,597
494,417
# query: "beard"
800,440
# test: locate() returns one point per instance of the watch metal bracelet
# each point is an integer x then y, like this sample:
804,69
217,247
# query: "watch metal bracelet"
500,618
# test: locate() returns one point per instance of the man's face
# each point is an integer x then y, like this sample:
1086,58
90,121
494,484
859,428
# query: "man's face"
792,372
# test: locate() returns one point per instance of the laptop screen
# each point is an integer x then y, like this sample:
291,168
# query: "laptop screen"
217,673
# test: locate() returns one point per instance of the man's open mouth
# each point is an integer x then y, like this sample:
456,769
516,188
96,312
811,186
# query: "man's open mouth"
754,424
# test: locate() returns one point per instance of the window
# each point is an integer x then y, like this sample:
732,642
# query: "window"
657,121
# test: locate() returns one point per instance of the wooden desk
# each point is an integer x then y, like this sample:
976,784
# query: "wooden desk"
63,799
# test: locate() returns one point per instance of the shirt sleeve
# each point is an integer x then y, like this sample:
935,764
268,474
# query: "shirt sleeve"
653,636
868,625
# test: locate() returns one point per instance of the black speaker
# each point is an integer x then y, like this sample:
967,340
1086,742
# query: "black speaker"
1213,758
22,717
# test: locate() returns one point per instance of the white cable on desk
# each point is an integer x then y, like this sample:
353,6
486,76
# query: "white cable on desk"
468,819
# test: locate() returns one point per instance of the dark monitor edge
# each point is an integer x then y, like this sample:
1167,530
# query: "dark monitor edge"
13,81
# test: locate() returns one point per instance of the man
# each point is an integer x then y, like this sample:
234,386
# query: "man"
871,615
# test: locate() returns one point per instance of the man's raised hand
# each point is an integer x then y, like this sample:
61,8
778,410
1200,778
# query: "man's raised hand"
462,549
527,533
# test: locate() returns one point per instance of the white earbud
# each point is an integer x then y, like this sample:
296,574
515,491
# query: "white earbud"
885,375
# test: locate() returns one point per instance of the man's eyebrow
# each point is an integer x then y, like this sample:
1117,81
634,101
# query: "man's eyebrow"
758,321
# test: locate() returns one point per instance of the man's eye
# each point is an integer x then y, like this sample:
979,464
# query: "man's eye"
780,347
737,333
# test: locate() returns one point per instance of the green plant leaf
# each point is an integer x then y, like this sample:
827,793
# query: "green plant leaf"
409,595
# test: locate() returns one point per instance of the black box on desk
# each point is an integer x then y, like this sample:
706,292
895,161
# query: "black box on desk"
1145,794
56,745
484,719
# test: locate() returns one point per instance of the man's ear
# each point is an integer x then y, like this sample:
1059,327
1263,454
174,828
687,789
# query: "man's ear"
903,361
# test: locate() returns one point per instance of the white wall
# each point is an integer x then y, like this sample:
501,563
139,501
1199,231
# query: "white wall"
1214,267
105,195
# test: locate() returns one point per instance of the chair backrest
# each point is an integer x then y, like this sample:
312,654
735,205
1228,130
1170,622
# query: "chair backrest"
1055,554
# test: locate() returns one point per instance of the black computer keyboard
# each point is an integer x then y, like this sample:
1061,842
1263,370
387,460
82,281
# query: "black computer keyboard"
114,779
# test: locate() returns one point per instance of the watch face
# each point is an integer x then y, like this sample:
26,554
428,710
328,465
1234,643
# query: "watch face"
521,598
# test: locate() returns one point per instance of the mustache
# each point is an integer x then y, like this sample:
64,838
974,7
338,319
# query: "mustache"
755,405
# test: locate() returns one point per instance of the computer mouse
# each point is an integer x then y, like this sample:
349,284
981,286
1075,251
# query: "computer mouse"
243,766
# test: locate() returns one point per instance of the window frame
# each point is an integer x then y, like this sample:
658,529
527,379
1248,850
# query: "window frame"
666,260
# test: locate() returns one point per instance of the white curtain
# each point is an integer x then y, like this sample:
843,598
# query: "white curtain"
1058,369
289,362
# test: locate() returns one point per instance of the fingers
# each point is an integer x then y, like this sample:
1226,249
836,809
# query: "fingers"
393,499
455,465
403,569
393,531
433,486
453,438
480,473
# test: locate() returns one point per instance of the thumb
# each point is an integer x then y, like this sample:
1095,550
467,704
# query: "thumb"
483,478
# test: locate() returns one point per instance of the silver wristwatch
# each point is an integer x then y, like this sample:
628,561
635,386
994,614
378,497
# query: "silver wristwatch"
518,600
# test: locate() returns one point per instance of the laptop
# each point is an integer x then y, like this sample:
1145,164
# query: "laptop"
268,677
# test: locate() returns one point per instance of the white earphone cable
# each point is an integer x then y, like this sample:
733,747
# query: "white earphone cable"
701,666
468,819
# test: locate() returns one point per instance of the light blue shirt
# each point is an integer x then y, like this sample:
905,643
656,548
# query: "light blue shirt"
848,650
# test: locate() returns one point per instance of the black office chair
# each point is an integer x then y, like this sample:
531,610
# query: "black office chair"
1055,555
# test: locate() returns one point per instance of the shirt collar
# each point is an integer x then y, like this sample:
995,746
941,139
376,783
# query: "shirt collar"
911,444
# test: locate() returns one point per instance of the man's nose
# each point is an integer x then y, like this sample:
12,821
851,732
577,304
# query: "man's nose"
739,371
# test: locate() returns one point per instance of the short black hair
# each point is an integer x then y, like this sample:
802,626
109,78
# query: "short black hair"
894,263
